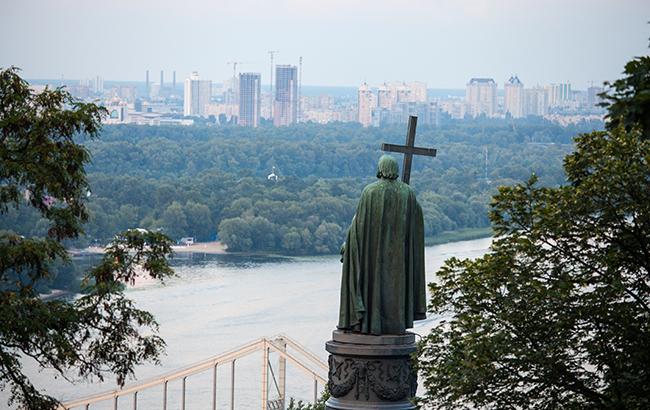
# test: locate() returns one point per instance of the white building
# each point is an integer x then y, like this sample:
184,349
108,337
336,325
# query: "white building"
386,98
513,101
481,97
117,114
98,85
367,103
535,101
196,95
456,108
391,93
558,95
418,91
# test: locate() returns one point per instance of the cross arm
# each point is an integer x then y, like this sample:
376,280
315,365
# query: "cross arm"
430,152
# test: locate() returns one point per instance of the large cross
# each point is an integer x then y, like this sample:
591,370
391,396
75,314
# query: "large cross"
409,149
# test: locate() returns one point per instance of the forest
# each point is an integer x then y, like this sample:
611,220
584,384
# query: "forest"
212,182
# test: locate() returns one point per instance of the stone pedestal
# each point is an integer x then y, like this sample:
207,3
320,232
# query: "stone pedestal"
370,372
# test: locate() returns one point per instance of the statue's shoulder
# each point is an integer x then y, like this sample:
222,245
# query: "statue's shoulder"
408,192
371,187
405,188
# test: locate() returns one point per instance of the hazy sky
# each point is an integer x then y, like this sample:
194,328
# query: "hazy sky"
343,42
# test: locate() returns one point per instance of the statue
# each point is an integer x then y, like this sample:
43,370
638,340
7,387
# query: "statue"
383,284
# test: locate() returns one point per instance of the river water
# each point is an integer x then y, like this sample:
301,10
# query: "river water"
218,302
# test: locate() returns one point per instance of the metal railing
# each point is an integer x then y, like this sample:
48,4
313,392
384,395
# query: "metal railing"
301,358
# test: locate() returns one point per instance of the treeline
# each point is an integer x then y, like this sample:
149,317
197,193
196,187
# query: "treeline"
328,151
211,182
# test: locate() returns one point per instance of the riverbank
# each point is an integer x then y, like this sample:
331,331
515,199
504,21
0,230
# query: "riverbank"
458,236
214,247
218,248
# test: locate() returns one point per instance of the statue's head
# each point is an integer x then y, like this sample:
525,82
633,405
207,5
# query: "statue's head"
387,168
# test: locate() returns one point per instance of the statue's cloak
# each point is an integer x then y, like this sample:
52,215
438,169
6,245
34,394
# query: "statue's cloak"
383,284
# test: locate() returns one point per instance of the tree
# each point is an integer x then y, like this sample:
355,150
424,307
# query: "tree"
628,99
556,315
199,221
43,167
174,221
235,233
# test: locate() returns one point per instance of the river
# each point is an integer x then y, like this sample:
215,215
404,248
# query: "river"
218,302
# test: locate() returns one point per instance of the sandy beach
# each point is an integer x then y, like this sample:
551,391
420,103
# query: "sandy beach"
214,247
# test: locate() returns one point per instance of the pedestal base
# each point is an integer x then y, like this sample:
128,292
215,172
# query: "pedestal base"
371,372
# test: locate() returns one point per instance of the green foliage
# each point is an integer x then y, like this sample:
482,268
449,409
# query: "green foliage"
39,155
208,181
42,168
628,99
556,315
319,405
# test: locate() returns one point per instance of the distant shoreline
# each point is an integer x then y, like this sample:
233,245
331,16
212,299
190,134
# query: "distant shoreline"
218,248
213,248
466,234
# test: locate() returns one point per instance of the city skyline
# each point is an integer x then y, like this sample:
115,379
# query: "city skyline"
343,43
500,82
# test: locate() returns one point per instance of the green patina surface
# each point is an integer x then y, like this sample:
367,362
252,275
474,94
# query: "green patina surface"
383,285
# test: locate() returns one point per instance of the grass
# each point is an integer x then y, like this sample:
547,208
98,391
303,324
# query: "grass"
458,235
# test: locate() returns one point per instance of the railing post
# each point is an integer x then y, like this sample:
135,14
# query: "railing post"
282,370
265,375
165,395
183,394
279,345
214,387
232,385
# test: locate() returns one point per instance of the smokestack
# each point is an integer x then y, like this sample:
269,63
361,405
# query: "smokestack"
147,81
174,80
161,79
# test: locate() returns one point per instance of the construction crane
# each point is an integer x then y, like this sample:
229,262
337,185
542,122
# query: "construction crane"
234,67
234,87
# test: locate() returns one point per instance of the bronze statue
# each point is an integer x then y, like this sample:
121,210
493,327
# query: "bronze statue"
383,284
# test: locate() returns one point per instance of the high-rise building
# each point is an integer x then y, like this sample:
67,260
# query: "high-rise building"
147,83
285,105
196,95
481,97
249,99
427,112
367,104
514,97
98,85
391,93
535,101
385,98
418,92
558,94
